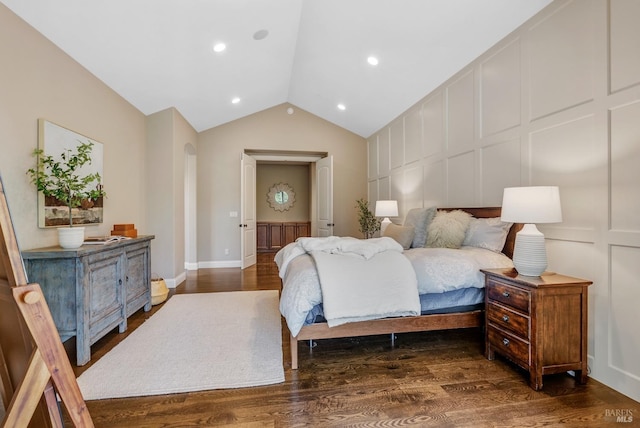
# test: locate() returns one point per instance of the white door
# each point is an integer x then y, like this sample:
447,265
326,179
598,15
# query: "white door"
324,183
248,238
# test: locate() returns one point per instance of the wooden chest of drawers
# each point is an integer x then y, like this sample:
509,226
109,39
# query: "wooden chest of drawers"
539,323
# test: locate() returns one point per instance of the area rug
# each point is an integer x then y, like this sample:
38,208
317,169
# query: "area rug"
195,342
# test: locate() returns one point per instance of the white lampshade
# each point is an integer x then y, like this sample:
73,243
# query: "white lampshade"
386,209
534,204
529,205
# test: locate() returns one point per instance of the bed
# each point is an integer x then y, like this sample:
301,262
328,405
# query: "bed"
449,297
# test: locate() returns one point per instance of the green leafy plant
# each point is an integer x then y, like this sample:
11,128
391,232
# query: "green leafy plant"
59,177
369,224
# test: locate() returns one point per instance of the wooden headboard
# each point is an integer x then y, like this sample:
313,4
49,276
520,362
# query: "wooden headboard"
489,212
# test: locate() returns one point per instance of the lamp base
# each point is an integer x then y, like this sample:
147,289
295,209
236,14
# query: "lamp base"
530,253
383,225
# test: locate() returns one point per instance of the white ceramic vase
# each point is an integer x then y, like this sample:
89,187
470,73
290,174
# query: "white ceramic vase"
70,237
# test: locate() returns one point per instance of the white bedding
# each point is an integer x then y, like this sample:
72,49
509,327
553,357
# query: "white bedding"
361,248
446,269
359,289
437,270
358,279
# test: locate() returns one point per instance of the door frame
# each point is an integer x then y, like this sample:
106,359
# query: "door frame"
284,157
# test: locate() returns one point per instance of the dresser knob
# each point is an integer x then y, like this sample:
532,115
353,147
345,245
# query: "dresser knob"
505,318
505,341
505,293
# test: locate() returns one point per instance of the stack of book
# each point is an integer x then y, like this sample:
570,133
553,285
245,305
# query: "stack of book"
103,240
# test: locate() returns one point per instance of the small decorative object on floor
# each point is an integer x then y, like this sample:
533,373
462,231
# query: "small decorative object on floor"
159,290
128,230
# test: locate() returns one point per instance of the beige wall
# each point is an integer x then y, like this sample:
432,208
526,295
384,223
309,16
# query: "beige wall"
219,151
40,81
168,133
554,103
143,177
297,177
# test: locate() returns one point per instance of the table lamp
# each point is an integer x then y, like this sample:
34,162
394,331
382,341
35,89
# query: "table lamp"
386,209
530,205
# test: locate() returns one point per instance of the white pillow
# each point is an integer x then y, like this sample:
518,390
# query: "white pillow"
448,229
419,219
489,233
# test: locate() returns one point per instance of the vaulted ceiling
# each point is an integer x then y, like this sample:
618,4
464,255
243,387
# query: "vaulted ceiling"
311,53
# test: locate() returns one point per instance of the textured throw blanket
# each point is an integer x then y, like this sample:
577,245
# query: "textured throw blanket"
360,279
361,248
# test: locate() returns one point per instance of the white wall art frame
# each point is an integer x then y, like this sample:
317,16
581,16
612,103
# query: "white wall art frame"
53,139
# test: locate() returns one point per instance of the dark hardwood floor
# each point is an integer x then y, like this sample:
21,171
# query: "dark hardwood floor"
438,379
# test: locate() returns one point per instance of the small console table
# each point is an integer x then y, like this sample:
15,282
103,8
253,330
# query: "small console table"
92,289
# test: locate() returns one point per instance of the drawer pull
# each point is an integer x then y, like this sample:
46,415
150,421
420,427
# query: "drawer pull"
505,318
505,294
505,341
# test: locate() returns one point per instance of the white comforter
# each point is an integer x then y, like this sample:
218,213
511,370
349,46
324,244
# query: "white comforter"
437,270
445,269
359,279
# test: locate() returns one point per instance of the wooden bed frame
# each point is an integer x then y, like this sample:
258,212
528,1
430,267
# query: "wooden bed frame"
405,324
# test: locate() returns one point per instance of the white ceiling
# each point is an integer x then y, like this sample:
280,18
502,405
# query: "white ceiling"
158,53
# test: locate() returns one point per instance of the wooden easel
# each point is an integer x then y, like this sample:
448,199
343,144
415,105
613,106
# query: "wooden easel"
34,367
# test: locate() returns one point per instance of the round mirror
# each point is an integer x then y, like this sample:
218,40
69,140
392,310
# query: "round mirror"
281,197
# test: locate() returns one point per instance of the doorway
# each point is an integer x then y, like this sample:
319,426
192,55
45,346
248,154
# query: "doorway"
301,169
283,203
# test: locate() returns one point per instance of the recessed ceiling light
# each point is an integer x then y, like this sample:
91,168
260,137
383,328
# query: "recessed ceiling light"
342,107
219,47
372,60
235,100
260,34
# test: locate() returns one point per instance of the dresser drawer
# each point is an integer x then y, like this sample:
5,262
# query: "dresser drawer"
506,318
509,345
508,295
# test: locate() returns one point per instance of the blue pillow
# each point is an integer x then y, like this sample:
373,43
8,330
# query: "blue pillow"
419,219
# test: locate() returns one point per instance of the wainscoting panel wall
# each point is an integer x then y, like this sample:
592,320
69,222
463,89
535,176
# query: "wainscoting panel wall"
272,236
501,95
556,102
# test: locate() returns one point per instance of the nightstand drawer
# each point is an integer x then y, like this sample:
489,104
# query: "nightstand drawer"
508,295
509,345
513,321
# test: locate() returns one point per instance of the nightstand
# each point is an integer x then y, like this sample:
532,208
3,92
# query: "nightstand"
538,322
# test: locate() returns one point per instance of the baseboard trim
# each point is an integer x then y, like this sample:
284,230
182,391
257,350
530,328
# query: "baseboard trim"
220,264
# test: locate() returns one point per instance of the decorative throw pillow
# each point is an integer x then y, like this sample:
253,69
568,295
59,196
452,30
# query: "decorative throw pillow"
419,219
448,229
489,233
402,234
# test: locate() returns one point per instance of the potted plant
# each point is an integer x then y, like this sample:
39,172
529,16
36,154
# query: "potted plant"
59,177
369,224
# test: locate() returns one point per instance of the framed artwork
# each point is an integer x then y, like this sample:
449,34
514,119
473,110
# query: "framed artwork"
54,139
